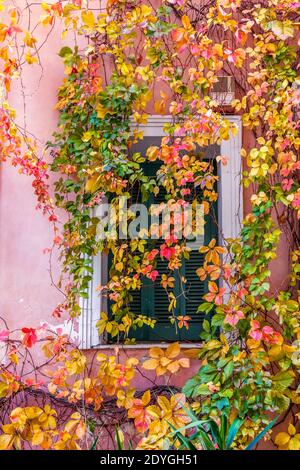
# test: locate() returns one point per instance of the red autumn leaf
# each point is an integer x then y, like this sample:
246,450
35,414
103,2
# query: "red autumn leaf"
29,337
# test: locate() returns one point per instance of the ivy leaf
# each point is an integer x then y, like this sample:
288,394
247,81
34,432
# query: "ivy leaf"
206,326
65,51
217,319
190,387
222,403
282,29
88,18
205,307
92,184
277,400
228,370
283,380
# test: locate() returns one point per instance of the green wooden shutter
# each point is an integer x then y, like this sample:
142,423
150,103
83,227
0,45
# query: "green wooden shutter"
152,299
154,302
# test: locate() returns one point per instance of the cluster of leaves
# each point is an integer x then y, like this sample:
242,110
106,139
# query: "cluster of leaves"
17,145
37,426
105,96
64,370
98,104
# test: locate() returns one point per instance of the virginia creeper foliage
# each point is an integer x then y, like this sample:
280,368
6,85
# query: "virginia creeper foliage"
133,59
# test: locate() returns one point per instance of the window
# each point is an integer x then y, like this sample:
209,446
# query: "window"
152,299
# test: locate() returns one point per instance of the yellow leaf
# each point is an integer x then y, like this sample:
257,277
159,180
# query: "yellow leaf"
252,344
192,353
150,364
160,107
86,136
29,40
119,266
88,18
92,184
101,111
173,350
101,357
164,361
6,441
146,397
124,69
282,439
294,444
156,352
160,370
33,412
163,95
276,352
163,403
30,59
213,344
153,411
37,438
173,367
146,10
291,430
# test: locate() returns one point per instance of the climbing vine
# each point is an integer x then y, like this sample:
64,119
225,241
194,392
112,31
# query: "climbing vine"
132,60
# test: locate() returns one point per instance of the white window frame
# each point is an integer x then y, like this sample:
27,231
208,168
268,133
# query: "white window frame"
230,215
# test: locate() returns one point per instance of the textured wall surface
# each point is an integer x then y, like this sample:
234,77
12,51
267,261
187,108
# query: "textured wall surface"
26,294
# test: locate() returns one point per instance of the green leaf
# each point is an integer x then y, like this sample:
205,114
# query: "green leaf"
228,370
182,439
65,51
205,441
218,319
94,445
206,326
222,403
190,386
282,29
205,307
223,428
283,380
233,430
277,400
215,432
120,444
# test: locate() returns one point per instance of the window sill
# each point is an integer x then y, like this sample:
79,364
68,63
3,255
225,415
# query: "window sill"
146,346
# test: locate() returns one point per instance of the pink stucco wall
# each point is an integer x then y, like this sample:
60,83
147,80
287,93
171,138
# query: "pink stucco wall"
26,294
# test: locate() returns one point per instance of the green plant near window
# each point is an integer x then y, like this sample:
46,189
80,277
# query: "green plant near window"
212,435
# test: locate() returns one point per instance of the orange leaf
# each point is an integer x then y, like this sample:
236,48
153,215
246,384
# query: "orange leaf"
212,286
146,398
186,22
173,350
184,362
173,367
156,352
150,364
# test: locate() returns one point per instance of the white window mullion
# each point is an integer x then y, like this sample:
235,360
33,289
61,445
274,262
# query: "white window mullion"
230,202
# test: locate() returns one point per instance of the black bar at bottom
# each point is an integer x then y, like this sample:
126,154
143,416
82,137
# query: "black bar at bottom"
137,459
